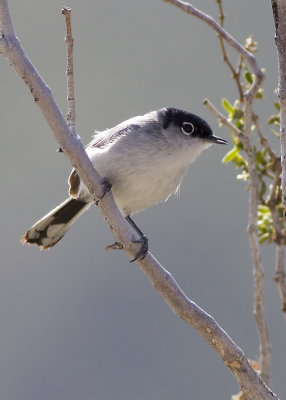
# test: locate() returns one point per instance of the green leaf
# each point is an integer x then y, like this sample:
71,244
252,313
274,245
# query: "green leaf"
277,105
230,155
264,237
263,209
248,77
227,106
238,113
239,161
260,157
272,119
259,94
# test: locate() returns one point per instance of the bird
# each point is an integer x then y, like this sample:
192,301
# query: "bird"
141,160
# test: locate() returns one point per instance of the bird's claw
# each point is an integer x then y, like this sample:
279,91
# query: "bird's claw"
143,250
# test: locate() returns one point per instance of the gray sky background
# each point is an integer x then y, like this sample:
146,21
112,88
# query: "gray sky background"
80,323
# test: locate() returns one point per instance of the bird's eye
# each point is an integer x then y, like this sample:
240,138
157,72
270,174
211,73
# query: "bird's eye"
187,128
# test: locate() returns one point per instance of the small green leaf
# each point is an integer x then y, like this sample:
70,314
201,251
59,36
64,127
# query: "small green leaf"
264,237
227,106
248,77
277,105
238,113
239,124
230,155
239,161
259,94
260,157
263,209
274,118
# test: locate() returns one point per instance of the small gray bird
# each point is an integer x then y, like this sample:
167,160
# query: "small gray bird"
144,159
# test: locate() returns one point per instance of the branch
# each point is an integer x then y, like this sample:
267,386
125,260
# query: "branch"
222,118
205,325
6,25
245,137
235,73
279,15
71,115
190,9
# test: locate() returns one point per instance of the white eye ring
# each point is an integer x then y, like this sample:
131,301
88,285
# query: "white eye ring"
187,128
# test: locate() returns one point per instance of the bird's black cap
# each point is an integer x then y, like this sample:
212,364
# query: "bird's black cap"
178,117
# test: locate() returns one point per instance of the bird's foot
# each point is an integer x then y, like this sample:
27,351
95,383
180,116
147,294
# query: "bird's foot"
143,241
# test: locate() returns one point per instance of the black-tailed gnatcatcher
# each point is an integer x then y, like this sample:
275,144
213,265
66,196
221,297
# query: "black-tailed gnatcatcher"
144,159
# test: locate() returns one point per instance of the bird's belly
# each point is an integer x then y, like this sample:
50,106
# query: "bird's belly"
145,190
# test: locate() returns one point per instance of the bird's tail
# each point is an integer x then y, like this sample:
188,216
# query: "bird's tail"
51,228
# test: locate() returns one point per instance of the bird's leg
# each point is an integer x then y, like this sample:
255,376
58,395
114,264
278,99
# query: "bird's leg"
143,240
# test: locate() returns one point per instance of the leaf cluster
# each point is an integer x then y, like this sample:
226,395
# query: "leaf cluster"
270,225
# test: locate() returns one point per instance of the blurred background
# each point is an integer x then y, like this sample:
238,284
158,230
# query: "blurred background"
78,322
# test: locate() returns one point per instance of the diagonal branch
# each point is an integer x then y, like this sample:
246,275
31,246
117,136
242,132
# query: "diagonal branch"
190,9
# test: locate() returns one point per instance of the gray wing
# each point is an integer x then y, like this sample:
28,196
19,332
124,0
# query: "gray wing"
103,139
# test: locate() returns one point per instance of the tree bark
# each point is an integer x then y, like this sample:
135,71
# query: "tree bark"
279,15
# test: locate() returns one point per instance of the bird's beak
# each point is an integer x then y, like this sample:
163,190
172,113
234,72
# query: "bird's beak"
215,139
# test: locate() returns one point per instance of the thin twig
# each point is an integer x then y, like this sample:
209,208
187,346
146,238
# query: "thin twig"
71,115
259,298
6,26
222,118
235,73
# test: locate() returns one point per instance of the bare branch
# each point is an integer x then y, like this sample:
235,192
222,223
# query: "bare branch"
259,298
222,118
71,115
190,9
5,20
235,73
